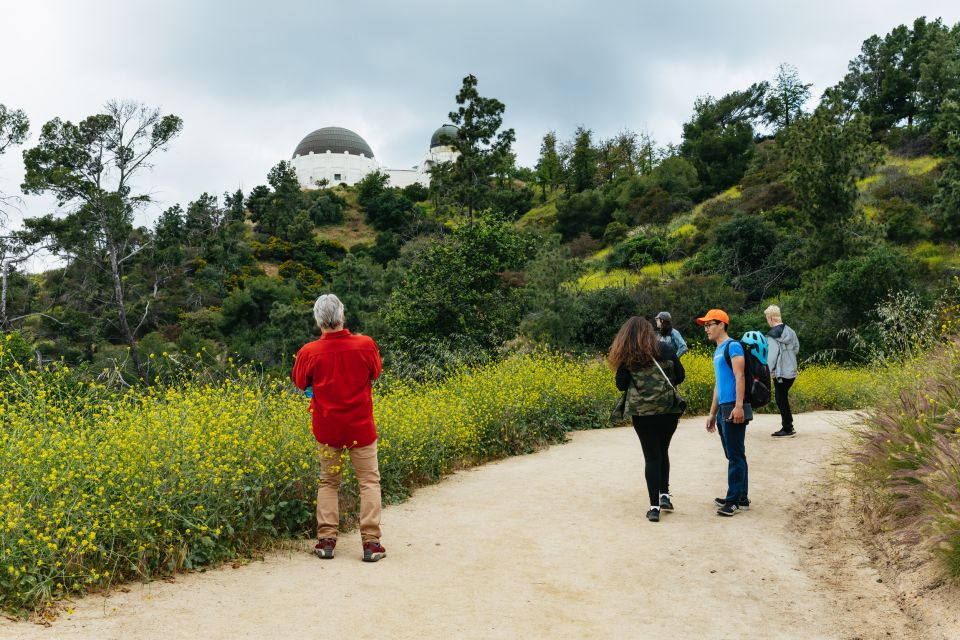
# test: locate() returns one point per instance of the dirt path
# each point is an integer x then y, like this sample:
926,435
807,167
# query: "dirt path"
552,545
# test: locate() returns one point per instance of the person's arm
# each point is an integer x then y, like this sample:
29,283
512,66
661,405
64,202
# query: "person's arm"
737,364
712,418
300,374
679,373
623,378
681,344
773,355
376,365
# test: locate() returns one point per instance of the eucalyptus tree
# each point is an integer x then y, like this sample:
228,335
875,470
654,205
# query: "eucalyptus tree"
92,168
15,248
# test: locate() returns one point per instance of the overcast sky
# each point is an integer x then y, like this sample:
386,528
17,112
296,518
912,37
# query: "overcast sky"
250,79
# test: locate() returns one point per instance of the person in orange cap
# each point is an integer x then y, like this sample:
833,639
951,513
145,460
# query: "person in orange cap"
729,413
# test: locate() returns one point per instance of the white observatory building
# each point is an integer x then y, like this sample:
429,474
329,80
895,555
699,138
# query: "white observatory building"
339,155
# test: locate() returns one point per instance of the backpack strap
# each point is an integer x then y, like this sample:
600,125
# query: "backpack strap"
726,354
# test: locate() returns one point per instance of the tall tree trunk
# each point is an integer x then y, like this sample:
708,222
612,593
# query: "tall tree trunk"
122,313
4,273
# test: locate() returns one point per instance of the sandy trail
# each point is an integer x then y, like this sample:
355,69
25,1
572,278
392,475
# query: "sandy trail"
551,545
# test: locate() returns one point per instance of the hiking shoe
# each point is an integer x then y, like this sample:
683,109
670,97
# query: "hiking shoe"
653,515
373,551
665,504
743,504
783,433
728,510
325,547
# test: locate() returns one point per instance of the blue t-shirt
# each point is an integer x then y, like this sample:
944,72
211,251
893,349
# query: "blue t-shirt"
726,381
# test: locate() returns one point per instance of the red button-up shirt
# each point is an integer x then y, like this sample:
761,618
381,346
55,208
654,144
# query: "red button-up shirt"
340,367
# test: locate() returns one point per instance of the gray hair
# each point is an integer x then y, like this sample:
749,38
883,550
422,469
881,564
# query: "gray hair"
328,311
773,312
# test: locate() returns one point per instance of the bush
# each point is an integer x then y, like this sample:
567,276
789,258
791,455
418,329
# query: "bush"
585,212
102,486
903,220
907,457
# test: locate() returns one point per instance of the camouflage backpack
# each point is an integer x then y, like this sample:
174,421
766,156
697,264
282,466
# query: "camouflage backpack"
650,393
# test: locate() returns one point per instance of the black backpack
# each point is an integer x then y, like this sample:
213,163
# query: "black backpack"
756,374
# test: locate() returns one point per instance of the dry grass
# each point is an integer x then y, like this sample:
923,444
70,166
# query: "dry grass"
354,229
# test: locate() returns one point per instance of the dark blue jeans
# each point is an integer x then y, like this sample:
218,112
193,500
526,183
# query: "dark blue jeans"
732,437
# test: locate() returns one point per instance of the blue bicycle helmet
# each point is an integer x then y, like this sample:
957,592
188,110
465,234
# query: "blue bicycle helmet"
757,342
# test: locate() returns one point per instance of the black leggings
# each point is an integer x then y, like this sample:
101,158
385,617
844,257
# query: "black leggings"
655,433
781,388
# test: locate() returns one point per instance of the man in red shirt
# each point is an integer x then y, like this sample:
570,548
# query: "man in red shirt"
340,367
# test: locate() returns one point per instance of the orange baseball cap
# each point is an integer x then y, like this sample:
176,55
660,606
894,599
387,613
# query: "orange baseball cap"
715,314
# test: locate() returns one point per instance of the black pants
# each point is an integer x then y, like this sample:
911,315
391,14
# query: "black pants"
655,433
781,386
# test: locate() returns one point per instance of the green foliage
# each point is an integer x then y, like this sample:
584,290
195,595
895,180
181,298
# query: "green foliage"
386,208
584,212
454,287
614,233
549,166
656,195
323,206
843,295
16,350
14,126
484,149
600,313
91,167
751,255
274,210
552,319
718,139
829,152
903,220
363,286
903,76
582,165
511,201
947,199
785,97
639,251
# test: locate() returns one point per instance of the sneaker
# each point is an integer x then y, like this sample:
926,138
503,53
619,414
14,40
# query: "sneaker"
743,504
728,510
325,547
653,515
783,433
665,504
373,551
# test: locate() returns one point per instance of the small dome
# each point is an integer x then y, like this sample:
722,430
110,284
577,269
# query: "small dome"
334,140
447,131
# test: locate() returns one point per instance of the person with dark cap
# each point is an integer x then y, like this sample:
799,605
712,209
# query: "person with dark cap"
729,412
669,335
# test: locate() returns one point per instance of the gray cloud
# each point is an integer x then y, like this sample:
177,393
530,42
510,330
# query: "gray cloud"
250,78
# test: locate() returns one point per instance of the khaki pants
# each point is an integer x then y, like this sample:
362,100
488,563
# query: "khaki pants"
364,461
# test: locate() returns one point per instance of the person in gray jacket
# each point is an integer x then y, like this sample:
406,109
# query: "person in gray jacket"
783,347
668,335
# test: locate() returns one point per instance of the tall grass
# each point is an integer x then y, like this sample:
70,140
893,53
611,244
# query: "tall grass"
907,458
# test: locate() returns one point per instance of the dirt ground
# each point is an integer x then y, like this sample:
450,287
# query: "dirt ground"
556,545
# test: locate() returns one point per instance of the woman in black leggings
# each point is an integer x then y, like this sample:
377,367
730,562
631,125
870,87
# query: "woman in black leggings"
643,363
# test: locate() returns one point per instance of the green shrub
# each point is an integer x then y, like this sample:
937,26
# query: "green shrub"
101,486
